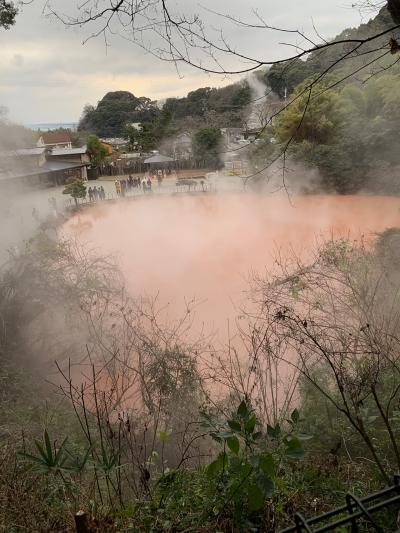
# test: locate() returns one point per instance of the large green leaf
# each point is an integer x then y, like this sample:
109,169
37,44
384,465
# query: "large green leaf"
256,497
250,424
234,425
217,465
274,432
49,449
267,464
294,448
243,410
266,484
295,416
233,444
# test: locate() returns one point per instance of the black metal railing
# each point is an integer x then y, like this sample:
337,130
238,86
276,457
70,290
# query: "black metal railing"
357,513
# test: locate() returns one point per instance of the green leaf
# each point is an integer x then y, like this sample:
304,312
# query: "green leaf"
59,458
243,410
303,436
33,458
250,424
267,464
274,432
294,448
295,416
42,452
49,449
267,485
233,444
234,425
217,465
245,470
224,434
216,436
256,497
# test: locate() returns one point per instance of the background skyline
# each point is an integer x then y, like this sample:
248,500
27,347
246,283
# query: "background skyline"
48,75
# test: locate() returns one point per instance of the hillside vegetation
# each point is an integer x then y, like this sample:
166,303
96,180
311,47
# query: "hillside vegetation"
344,116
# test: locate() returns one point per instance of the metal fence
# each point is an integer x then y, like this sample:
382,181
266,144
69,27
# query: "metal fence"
358,514
138,192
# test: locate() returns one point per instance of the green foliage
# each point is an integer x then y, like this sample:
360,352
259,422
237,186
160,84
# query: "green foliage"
226,100
75,188
283,78
246,469
348,132
55,460
148,136
133,135
311,118
115,111
96,150
206,143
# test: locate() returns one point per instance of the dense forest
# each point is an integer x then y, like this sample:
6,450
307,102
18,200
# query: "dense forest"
117,110
340,118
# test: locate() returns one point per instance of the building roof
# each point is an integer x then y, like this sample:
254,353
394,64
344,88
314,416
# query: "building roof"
23,151
56,137
158,158
69,151
48,167
53,166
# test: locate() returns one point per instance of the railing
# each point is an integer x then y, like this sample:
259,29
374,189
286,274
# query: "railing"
356,512
138,192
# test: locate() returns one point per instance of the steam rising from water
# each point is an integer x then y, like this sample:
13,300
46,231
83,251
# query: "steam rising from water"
181,247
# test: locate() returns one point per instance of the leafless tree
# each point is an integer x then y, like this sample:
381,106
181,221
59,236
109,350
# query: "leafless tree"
334,321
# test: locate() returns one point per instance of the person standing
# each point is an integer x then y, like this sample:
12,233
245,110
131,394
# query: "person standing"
118,187
90,193
144,185
149,184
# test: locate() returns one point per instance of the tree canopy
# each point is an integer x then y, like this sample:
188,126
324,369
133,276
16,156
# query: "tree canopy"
96,150
115,111
75,188
206,144
226,101
348,133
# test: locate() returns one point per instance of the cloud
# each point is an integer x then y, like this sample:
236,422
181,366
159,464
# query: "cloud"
47,75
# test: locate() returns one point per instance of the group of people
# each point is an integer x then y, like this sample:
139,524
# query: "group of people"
96,193
122,186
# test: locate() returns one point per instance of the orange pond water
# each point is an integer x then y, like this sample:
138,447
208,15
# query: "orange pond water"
181,247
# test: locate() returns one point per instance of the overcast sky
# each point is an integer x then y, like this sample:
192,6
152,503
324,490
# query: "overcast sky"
48,75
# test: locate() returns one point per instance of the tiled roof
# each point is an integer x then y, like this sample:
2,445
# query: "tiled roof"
56,137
